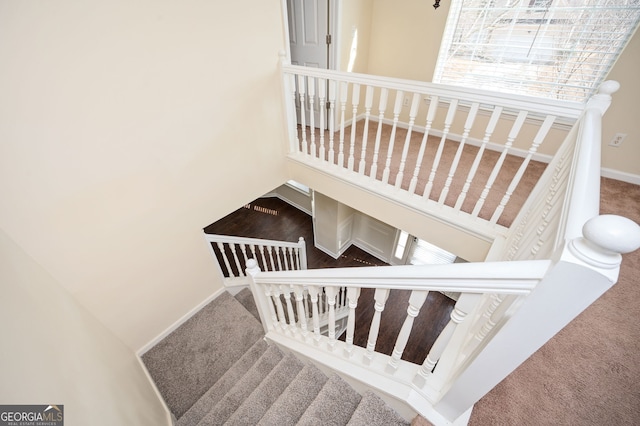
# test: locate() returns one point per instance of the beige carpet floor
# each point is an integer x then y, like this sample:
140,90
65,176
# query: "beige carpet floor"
589,373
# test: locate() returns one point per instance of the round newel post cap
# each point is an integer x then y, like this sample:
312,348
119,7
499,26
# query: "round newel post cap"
609,87
605,238
252,267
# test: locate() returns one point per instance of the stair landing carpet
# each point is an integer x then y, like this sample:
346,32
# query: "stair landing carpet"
217,369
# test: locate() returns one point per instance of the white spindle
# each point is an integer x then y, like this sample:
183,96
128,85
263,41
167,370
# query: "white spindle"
302,316
303,254
277,249
454,165
273,265
457,316
415,103
303,113
322,93
243,249
397,108
542,133
515,129
286,291
352,295
355,100
292,85
235,258
453,106
313,295
252,247
382,105
497,111
344,87
225,259
380,297
312,125
330,293
331,119
416,300
265,267
272,311
365,134
282,320
433,107
291,262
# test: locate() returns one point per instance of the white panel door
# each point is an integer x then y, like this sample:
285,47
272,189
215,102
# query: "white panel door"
308,29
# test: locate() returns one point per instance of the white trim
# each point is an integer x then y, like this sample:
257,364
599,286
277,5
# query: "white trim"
326,250
622,176
168,413
179,322
286,200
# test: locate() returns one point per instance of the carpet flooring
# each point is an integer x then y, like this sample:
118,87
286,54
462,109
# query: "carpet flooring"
217,369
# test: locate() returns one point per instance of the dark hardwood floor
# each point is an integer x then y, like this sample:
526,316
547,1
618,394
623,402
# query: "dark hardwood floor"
274,219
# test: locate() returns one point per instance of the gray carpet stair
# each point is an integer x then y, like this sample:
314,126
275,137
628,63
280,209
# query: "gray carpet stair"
217,369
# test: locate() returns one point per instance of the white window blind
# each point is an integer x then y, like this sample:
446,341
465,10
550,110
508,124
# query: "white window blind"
559,49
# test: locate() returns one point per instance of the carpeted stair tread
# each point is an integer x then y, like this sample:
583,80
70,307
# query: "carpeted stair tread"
257,404
243,388
296,398
223,385
245,297
374,411
186,363
334,405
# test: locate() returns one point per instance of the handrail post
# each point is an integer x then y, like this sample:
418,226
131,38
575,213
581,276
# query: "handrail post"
303,253
265,308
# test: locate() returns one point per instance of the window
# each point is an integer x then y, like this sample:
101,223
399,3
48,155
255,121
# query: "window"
559,49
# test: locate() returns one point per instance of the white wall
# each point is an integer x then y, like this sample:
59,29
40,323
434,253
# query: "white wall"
127,127
55,352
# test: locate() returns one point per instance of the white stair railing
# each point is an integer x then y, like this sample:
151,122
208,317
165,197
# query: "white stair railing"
557,258
232,253
414,173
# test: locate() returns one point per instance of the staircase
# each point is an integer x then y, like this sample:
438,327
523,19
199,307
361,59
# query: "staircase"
217,368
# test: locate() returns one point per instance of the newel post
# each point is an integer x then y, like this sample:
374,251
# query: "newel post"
602,99
582,270
262,296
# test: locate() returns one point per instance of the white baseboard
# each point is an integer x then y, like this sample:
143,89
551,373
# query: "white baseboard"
622,176
179,322
169,415
326,251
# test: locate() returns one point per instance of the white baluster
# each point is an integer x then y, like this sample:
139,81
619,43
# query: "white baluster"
235,258
457,316
515,129
365,134
382,105
322,93
275,292
330,119
352,295
292,85
330,293
392,138
497,111
355,100
265,267
303,113
416,300
291,262
302,316
252,247
272,311
344,87
433,107
454,165
313,295
415,103
380,297
436,161
273,265
542,133
305,293
286,292
277,250
312,125
225,259
243,249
